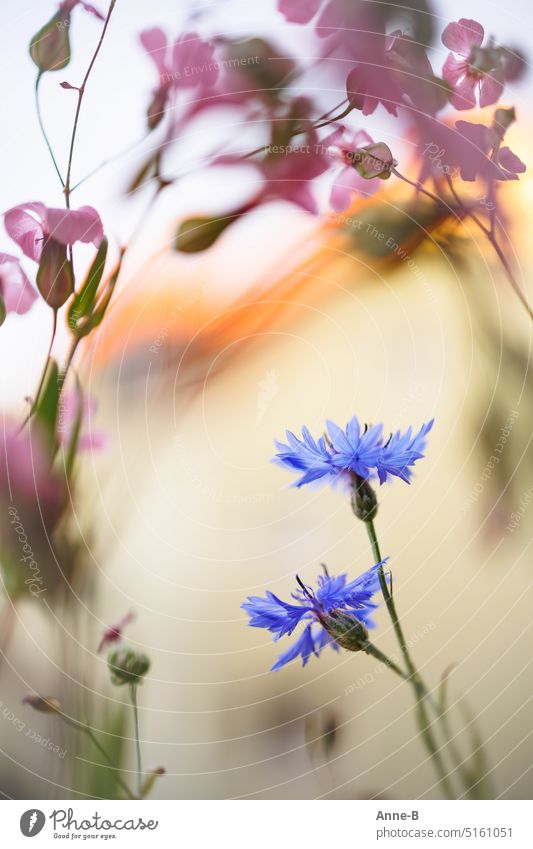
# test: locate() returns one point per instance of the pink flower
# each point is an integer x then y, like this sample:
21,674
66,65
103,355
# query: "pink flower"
37,495
31,224
89,438
17,293
299,11
113,634
342,146
473,149
187,64
477,70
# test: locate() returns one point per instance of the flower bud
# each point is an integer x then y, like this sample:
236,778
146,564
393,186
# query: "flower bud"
127,666
347,631
44,704
153,775
373,160
55,277
364,500
50,47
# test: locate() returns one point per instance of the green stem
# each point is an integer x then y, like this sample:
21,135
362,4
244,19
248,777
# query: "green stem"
87,730
133,696
414,679
42,128
371,649
81,92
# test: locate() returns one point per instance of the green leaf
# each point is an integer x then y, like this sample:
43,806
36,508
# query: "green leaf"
83,302
3,311
198,234
75,435
88,323
47,409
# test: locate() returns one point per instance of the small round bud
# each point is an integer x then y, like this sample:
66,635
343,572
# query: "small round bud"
347,631
364,500
127,666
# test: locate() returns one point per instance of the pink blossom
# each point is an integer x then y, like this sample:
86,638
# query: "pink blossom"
342,144
27,481
299,11
89,438
31,224
113,634
478,69
187,64
473,149
17,293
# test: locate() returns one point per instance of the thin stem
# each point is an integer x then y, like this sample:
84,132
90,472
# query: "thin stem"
414,679
417,186
371,649
389,600
43,131
87,730
81,92
490,233
133,696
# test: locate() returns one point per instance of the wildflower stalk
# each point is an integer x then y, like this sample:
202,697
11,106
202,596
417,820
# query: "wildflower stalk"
413,678
86,729
371,649
133,697
81,91
114,770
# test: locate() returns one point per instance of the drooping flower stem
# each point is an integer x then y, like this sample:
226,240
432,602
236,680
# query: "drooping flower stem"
133,697
413,678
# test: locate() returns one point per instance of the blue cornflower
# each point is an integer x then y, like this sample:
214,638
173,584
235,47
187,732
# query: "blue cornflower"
364,453
336,613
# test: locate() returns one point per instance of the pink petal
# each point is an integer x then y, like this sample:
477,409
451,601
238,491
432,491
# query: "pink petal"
461,36
193,62
348,182
491,88
155,43
509,161
453,69
298,11
16,290
25,229
74,225
464,96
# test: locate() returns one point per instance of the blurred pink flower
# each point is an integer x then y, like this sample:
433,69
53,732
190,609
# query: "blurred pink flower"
342,144
89,438
113,634
299,11
188,63
30,224
27,480
478,69
15,288
473,149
